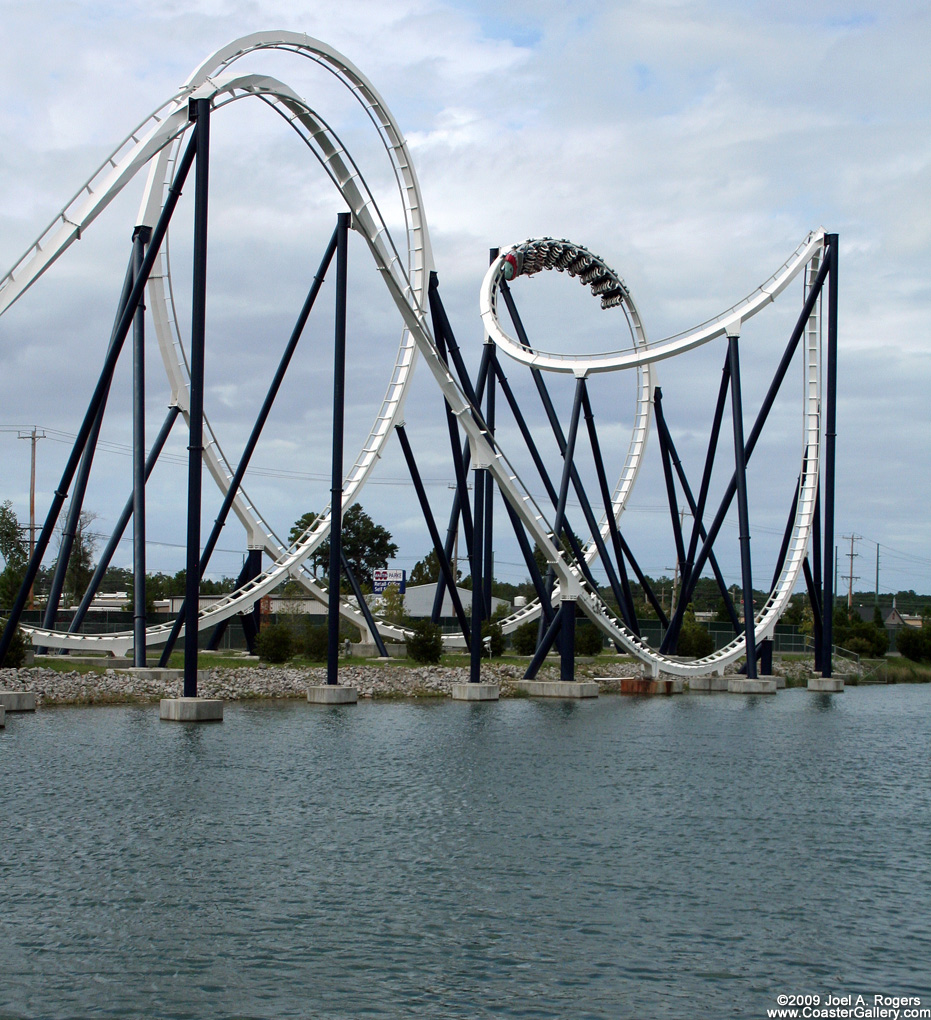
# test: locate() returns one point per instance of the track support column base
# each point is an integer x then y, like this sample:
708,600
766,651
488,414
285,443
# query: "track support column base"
476,692
750,685
559,688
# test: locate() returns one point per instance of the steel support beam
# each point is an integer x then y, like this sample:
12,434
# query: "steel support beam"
442,559
140,239
235,482
126,318
544,645
755,432
73,519
200,110
478,513
488,520
250,569
697,525
363,606
830,436
567,639
667,443
742,507
122,521
336,487
625,605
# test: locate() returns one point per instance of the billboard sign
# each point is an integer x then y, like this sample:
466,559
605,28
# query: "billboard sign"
383,577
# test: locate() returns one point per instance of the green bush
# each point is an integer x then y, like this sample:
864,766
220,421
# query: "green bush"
275,643
914,644
524,638
426,642
16,653
695,642
861,646
491,630
316,642
588,639
860,636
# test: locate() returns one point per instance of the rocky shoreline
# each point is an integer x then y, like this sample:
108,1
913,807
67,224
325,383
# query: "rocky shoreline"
52,687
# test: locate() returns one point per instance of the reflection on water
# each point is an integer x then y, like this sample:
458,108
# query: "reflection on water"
649,858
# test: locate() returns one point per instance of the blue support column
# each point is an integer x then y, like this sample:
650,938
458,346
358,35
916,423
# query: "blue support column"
140,239
830,435
567,640
336,486
742,506
488,520
766,657
478,513
200,109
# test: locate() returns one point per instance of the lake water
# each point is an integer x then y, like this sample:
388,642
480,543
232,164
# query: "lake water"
684,858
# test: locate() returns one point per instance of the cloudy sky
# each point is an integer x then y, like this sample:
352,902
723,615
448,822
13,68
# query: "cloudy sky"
691,144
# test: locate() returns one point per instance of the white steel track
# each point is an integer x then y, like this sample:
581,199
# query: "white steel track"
154,143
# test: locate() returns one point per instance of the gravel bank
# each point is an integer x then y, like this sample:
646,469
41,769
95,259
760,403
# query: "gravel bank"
56,688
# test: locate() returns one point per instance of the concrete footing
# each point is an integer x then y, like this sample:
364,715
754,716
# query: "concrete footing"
826,684
191,709
18,701
559,688
475,692
155,673
742,685
332,694
649,685
708,683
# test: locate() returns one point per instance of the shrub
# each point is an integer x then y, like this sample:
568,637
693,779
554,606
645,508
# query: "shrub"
694,640
275,643
316,642
524,638
858,635
860,646
914,644
588,639
425,643
16,653
491,630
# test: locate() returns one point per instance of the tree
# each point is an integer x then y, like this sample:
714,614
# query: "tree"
858,635
427,570
914,643
81,562
694,640
13,550
426,642
524,638
366,545
391,605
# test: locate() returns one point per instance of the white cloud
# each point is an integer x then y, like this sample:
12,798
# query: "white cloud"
692,144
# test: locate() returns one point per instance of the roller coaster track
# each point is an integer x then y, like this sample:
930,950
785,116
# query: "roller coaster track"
155,144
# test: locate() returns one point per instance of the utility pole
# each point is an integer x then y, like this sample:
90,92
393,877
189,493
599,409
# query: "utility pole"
34,436
456,541
675,577
851,577
876,598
